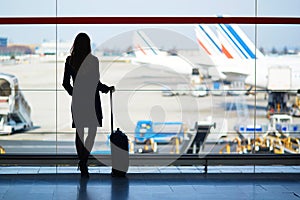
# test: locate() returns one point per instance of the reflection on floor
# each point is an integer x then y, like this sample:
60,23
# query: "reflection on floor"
169,183
152,170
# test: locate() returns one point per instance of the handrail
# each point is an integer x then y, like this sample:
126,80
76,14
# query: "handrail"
155,160
148,20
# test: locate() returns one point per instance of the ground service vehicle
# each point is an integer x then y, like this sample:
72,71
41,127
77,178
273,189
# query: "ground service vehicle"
161,132
14,109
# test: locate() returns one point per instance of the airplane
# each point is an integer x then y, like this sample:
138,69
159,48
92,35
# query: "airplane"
231,55
234,56
148,54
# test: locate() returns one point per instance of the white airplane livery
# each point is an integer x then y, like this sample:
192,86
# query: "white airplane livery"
147,53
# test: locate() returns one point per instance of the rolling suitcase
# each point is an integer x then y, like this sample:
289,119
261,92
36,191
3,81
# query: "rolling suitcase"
119,149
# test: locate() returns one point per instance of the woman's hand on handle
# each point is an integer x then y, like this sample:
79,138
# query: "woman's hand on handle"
112,88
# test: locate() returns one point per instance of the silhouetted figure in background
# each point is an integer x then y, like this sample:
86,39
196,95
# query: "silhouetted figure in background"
83,69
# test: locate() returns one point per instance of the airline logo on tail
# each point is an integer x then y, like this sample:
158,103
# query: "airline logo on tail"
143,45
207,40
230,41
238,41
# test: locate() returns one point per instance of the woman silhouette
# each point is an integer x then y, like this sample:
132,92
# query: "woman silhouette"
83,68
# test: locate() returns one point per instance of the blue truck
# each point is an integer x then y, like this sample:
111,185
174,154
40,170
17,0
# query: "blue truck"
160,132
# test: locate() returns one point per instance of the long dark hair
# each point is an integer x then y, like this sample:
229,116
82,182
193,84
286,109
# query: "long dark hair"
80,49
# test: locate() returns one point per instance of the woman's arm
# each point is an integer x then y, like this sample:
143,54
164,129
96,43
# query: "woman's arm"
67,79
100,86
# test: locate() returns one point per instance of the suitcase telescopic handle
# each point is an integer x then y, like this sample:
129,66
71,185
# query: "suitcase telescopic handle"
111,112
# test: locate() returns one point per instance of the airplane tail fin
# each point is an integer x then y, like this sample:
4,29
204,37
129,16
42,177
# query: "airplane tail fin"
209,45
226,47
235,43
143,46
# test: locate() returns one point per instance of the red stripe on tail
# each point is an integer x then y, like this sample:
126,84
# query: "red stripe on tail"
140,48
202,45
227,54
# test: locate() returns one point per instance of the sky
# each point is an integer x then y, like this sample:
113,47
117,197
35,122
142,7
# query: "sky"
268,36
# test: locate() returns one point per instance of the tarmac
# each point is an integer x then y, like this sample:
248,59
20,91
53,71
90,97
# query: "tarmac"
138,96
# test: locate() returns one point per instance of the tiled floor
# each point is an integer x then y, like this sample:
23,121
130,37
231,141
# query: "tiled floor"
162,183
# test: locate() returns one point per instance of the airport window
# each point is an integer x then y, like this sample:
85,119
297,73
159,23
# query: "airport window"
150,8
31,8
197,89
